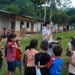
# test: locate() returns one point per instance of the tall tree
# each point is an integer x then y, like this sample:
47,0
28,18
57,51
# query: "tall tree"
13,8
53,4
60,19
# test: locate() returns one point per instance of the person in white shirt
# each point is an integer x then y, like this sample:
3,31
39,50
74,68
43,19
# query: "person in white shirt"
47,34
72,59
69,46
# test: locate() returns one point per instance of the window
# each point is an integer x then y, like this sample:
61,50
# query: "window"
27,25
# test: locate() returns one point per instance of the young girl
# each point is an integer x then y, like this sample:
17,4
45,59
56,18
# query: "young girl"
18,60
30,57
11,53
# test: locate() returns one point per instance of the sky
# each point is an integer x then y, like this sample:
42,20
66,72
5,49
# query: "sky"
73,2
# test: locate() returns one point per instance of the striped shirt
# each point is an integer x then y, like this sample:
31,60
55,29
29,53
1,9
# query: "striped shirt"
11,53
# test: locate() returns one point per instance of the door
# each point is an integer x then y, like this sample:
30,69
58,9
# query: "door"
12,27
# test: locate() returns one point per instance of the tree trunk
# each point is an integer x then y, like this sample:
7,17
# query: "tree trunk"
51,13
45,12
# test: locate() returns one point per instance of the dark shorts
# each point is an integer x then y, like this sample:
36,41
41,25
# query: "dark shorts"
11,66
25,69
18,63
30,71
71,74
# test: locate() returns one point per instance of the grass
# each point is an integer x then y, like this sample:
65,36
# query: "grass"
65,38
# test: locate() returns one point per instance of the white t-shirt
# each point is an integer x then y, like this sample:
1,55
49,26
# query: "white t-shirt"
71,67
47,32
69,46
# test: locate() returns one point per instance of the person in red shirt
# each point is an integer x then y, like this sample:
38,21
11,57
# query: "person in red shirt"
18,60
10,53
4,32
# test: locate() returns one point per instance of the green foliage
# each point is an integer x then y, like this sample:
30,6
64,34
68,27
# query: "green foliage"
22,7
31,9
42,1
72,19
71,13
26,6
60,18
12,8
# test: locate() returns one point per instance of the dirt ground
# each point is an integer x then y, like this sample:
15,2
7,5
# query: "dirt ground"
26,36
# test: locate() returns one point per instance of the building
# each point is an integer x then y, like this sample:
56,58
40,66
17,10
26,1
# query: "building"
19,24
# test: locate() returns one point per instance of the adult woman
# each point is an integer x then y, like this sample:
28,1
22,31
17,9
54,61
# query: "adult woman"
47,34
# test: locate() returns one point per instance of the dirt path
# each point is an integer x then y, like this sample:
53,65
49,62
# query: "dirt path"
22,37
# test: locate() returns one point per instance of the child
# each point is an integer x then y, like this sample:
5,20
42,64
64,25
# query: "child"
1,53
72,59
4,32
55,63
18,60
69,47
42,58
30,57
59,39
24,59
56,43
53,44
11,53
69,44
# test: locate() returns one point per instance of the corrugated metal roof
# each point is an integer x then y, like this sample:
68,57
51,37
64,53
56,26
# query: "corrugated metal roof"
20,15
6,12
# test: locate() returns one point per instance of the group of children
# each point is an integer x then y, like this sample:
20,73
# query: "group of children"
46,64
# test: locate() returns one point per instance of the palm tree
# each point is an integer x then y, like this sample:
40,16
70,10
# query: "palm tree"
53,4
44,2
45,11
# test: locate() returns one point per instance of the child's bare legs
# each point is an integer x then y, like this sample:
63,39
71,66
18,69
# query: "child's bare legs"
10,72
15,71
20,70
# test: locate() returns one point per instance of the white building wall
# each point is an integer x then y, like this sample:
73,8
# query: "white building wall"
35,27
9,25
25,24
39,26
17,25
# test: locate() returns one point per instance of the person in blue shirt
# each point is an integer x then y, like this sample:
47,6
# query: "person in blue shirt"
55,64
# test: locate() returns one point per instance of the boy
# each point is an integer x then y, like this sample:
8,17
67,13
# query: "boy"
59,39
72,59
1,53
69,47
55,63
42,58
